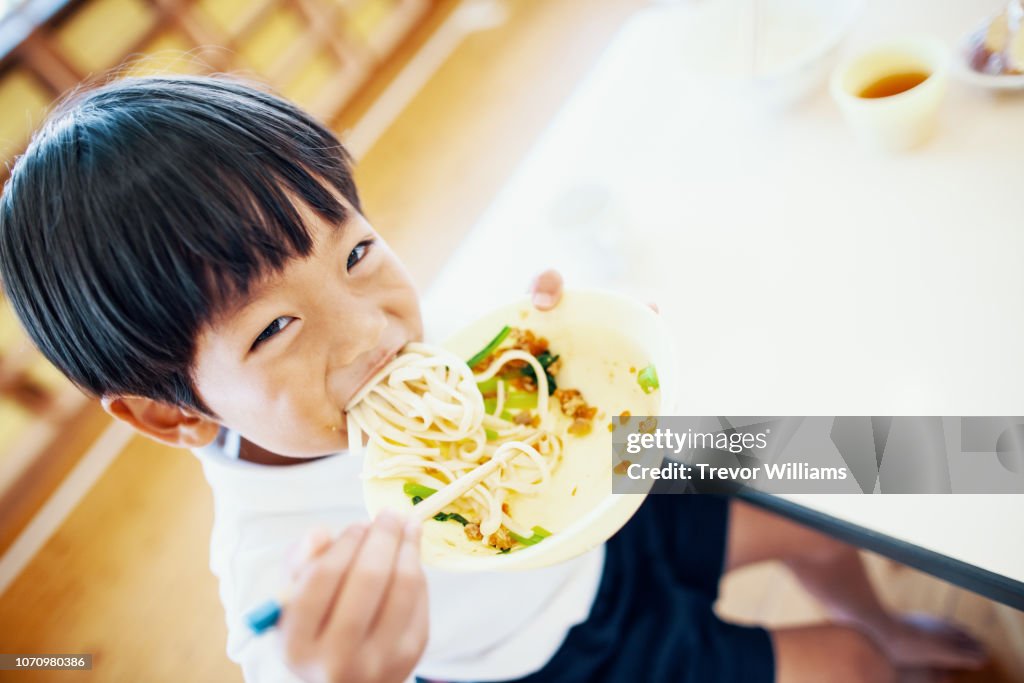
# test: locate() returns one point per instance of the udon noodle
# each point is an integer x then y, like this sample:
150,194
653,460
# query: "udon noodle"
425,412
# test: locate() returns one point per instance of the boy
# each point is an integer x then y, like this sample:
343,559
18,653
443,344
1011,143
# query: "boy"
192,252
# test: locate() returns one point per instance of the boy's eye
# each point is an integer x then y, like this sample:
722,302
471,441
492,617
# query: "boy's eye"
272,329
357,253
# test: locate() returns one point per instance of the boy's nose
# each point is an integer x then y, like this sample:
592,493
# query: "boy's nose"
356,334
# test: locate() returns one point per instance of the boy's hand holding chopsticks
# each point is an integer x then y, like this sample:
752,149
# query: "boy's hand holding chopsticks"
358,609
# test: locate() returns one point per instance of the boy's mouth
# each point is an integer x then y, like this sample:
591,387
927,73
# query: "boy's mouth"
381,359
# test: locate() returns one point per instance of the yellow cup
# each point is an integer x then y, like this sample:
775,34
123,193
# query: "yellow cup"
904,119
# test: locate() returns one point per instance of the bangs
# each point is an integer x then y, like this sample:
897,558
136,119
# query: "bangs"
228,226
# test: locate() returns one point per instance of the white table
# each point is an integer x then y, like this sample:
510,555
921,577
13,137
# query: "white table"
802,274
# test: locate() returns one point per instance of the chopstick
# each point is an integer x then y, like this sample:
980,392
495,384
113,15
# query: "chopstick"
437,502
265,616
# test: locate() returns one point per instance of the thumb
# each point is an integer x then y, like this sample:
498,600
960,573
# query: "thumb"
546,290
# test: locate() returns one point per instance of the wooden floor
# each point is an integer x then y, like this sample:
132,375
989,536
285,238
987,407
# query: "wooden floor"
126,576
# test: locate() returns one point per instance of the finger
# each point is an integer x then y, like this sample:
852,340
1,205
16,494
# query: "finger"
407,584
403,649
311,546
406,646
403,625
414,641
315,593
546,290
368,578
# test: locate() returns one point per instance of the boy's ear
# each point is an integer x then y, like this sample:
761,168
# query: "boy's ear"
163,422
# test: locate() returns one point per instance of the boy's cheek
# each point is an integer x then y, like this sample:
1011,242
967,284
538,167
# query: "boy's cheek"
293,429
282,412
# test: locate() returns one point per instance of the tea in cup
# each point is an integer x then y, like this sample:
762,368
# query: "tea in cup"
890,94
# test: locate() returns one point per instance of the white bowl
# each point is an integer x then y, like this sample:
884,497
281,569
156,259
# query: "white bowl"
599,337
796,46
765,54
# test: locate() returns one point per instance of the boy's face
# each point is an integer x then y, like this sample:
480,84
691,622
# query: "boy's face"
280,367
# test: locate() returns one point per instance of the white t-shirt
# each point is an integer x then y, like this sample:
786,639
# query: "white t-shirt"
483,626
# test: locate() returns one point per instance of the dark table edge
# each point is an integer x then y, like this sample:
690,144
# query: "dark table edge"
975,579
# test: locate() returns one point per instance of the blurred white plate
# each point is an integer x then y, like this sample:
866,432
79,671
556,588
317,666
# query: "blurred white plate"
964,72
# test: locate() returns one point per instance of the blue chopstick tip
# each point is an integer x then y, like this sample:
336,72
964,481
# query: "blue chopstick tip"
263,617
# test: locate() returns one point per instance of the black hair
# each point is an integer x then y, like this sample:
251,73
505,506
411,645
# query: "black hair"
143,208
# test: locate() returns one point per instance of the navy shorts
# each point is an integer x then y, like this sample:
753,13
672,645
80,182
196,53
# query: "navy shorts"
652,619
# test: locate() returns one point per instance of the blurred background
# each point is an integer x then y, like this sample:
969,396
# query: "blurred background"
104,536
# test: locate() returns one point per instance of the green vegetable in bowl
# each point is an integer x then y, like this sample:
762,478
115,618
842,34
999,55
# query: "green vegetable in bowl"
539,534
514,400
414,490
488,387
546,359
647,379
445,516
489,349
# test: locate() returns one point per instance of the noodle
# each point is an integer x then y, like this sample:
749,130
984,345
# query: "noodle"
426,413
